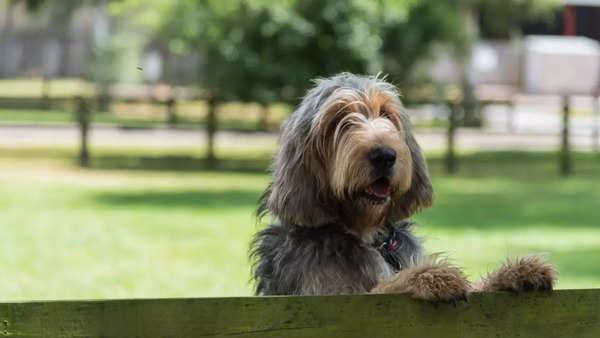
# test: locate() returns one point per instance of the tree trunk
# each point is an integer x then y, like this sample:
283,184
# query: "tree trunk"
83,117
5,39
46,93
511,112
565,155
9,17
65,54
471,112
104,99
211,129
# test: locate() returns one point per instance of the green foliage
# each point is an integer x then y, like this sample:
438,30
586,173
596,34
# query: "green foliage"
266,51
255,50
30,5
269,51
407,42
263,51
501,19
59,13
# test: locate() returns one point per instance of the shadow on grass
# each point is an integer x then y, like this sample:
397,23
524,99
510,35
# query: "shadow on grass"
516,164
217,200
527,165
136,159
530,203
180,163
510,189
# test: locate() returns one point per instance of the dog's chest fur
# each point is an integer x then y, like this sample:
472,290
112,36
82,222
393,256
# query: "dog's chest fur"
327,259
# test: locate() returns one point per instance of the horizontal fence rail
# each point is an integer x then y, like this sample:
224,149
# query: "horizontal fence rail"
564,313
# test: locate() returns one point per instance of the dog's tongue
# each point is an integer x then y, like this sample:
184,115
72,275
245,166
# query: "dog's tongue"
380,188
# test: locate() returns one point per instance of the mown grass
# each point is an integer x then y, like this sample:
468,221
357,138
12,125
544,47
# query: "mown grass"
228,120
34,87
164,230
231,117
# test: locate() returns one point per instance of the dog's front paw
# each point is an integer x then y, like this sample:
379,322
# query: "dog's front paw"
429,280
531,273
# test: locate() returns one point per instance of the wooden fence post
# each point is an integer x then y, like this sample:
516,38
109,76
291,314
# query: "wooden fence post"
83,119
104,99
565,156
511,123
171,111
211,130
263,120
451,134
45,91
596,124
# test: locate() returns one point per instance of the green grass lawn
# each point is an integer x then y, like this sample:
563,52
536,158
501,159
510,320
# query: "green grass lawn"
65,117
156,119
229,118
120,230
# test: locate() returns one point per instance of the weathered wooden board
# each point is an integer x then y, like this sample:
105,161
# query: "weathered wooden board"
566,313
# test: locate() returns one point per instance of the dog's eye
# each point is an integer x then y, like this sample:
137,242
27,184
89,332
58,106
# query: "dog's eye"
386,114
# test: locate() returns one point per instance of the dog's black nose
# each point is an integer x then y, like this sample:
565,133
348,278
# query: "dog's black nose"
382,157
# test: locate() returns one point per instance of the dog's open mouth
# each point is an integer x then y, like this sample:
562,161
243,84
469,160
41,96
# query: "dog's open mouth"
379,191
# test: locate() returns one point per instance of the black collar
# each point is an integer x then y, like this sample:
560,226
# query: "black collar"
387,246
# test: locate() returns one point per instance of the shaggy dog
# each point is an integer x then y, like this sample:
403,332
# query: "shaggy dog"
347,177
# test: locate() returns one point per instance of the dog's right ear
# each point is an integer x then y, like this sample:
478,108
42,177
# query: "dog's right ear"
297,193
294,196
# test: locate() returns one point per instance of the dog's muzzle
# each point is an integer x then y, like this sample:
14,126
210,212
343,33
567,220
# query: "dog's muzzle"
382,158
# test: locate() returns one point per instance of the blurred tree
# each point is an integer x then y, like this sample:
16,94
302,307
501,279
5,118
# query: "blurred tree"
503,19
264,51
30,5
104,58
9,9
59,15
456,23
272,49
410,41
105,48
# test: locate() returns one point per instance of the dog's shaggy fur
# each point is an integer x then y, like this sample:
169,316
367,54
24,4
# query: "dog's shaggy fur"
347,176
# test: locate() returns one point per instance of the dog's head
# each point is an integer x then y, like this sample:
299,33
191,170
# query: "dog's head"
347,154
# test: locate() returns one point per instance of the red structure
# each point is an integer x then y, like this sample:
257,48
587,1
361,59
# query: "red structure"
582,18
569,20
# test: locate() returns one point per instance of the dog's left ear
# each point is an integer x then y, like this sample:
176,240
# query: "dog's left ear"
420,193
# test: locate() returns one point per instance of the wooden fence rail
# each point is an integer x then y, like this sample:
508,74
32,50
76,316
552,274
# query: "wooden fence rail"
564,313
454,103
